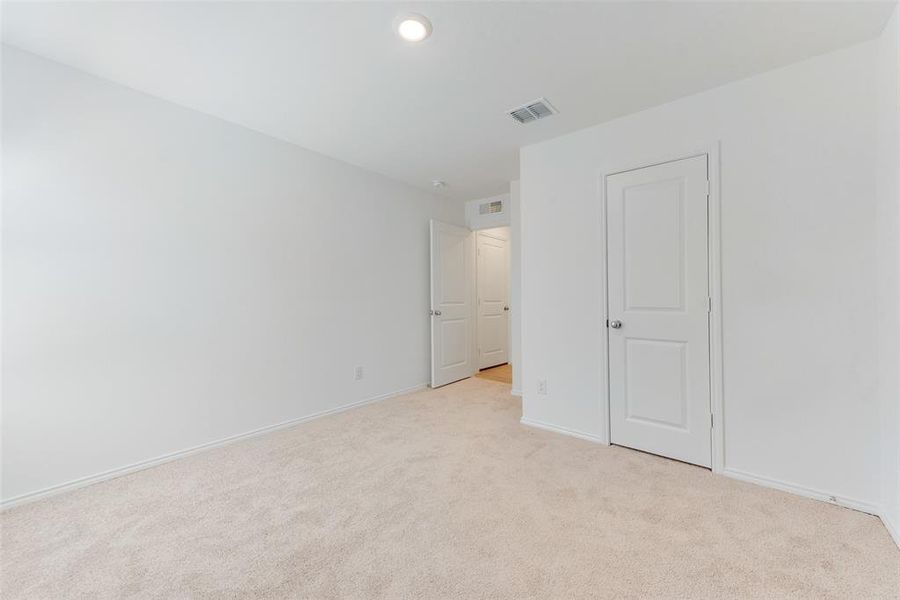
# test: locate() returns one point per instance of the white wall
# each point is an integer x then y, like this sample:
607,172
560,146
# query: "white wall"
798,250
888,194
515,287
171,279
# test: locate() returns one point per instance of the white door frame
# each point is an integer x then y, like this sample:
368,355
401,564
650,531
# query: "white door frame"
714,240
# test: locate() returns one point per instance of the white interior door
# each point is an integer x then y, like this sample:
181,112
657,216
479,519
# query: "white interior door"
492,248
452,303
659,310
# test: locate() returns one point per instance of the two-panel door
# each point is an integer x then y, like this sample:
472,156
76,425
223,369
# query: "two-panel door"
658,294
493,298
452,303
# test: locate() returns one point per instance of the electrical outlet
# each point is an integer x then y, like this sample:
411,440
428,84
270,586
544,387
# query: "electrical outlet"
542,387
358,373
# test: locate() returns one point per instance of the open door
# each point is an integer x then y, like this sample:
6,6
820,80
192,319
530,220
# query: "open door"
452,303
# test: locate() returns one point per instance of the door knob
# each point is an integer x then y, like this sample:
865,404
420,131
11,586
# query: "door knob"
505,308
437,313
615,324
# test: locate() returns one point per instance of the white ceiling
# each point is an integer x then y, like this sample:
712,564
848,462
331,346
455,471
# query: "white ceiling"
333,77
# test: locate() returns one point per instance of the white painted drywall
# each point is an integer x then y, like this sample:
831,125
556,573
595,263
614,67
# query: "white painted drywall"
171,279
798,250
515,286
475,220
888,196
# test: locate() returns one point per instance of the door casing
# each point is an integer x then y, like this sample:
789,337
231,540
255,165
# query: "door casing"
712,152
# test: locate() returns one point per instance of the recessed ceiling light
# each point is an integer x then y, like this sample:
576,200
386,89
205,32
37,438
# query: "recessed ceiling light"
413,27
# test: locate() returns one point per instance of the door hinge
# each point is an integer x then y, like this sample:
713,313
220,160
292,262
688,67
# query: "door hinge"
707,188
708,304
607,323
712,422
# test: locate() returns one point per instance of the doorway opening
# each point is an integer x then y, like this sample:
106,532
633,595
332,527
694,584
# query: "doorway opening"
470,299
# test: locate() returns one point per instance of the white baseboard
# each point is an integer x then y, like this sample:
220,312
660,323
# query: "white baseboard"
860,505
893,528
564,430
146,464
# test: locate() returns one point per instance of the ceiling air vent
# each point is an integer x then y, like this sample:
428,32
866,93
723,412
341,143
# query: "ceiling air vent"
533,111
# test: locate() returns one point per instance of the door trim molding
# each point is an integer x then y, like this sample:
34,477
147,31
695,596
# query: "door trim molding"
491,232
714,244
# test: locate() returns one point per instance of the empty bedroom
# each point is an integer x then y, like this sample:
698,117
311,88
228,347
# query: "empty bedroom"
450,300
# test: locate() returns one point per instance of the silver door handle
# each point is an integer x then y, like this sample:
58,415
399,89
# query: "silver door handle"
436,313
615,324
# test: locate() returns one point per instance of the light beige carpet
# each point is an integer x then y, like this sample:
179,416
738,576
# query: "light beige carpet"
438,494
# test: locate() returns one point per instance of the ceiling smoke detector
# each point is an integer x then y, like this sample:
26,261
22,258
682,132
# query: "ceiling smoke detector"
438,184
534,110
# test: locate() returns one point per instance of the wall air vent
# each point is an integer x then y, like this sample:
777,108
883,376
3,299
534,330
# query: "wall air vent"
490,208
533,111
